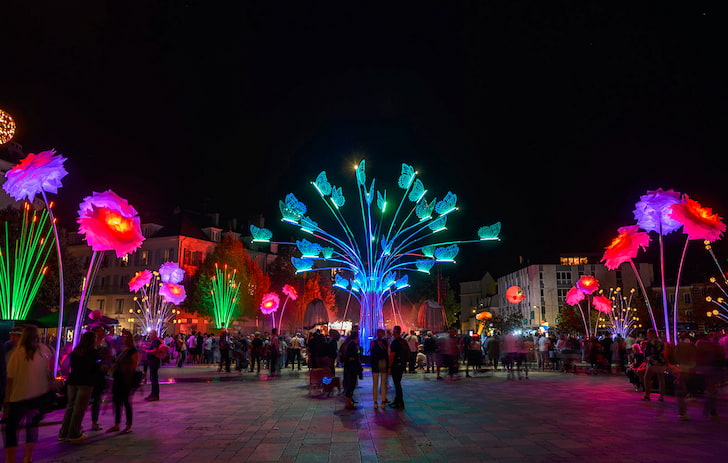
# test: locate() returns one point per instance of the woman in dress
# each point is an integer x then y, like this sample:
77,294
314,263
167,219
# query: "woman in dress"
29,371
124,371
85,365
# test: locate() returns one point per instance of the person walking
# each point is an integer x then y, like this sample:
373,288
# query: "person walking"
274,352
154,354
379,359
398,359
412,341
224,346
85,366
181,346
124,372
296,346
29,373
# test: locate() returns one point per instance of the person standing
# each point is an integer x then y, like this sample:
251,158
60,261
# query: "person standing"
154,354
379,359
181,346
398,359
296,345
124,371
29,372
655,358
85,365
709,361
429,347
192,351
256,352
105,352
224,346
412,342
274,352
352,367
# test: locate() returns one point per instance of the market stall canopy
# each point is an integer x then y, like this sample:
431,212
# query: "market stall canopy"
316,314
431,316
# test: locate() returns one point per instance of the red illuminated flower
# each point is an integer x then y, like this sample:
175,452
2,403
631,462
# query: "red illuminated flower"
699,223
625,246
290,291
587,284
602,304
172,292
574,296
269,303
109,223
139,280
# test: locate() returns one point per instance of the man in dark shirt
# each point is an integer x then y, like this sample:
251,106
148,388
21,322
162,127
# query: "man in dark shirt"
398,358
155,362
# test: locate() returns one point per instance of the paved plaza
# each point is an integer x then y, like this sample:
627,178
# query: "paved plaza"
206,416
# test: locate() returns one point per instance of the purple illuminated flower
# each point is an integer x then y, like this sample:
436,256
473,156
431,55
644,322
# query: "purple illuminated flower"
109,223
139,280
653,210
173,293
587,284
171,272
35,173
270,303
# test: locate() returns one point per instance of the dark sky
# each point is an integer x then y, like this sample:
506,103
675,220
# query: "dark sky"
552,117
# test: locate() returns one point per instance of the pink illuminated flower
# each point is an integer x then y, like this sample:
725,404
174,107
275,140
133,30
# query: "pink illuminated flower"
587,284
172,292
653,211
290,291
602,304
35,173
109,223
139,280
699,223
625,246
574,296
171,272
270,303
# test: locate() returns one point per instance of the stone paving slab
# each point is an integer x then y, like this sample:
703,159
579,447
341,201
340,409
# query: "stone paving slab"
206,416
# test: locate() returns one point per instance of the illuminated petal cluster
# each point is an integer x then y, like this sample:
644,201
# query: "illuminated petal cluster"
698,222
652,212
602,304
109,223
171,272
574,296
587,284
290,291
139,280
270,303
172,292
36,173
625,247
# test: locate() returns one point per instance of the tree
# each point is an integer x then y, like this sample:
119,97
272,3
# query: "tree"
569,320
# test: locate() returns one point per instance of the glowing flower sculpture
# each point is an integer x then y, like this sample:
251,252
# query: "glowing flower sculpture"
108,223
291,294
156,298
574,296
269,305
698,222
224,288
653,211
625,247
34,175
393,239
618,315
585,286
602,304
171,272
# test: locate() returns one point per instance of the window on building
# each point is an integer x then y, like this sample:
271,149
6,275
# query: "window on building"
670,300
102,282
144,258
689,316
563,278
119,306
687,299
561,296
100,304
124,261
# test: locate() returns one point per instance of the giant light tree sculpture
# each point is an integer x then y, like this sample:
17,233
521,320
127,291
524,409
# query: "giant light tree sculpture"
374,263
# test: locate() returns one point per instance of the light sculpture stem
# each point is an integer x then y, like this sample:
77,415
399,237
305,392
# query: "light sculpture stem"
644,293
93,268
677,290
61,297
583,319
665,309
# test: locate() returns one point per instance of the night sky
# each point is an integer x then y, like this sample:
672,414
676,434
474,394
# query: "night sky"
551,117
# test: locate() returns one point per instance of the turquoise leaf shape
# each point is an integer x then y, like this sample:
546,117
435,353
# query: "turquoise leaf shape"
406,177
322,184
424,209
327,252
260,234
438,224
361,175
424,265
417,192
447,204
337,196
308,249
308,224
447,253
490,232
428,251
302,264
382,200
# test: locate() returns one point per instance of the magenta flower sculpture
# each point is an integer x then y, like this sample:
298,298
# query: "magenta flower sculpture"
625,247
270,303
574,296
40,174
109,223
140,280
172,293
653,210
35,174
602,304
171,272
291,294
698,222
587,284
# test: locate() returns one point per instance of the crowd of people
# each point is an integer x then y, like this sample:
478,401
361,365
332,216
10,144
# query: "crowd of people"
102,362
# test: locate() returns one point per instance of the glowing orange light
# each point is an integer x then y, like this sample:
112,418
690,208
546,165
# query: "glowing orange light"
514,294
